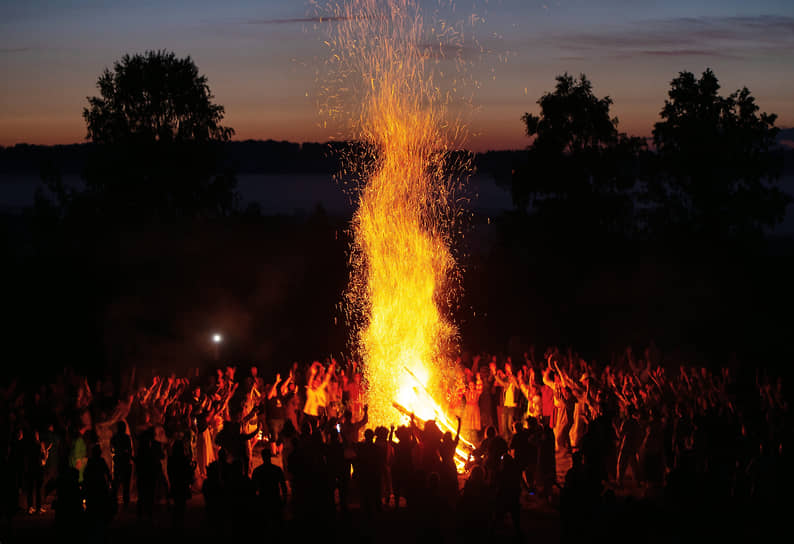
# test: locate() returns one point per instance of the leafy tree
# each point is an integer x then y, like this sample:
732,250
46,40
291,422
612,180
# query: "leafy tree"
580,170
716,160
158,139
154,97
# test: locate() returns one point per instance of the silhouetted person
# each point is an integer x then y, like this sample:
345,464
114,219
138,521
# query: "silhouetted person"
369,469
631,434
599,447
68,503
508,491
522,450
212,489
96,484
350,429
382,442
147,469
234,441
35,459
121,449
430,443
180,476
435,511
482,450
52,446
8,497
271,492
338,464
448,470
497,449
229,497
652,452
684,492
402,468
16,463
578,500
487,399
546,475
475,508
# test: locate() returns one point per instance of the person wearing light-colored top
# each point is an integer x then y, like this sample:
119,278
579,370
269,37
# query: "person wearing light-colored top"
531,391
472,422
507,381
317,390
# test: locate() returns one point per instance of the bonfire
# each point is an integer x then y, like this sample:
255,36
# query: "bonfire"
387,61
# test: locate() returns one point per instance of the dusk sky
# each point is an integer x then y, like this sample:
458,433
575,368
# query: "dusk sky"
260,57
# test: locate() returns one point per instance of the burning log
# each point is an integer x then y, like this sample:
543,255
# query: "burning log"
462,452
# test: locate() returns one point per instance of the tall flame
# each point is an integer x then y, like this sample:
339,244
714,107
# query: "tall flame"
401,258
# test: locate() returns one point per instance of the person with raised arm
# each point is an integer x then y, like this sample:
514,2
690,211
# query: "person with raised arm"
274,408
530,390
472,422
507,381
316,391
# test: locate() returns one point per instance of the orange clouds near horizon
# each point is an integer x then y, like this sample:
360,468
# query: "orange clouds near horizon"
503,130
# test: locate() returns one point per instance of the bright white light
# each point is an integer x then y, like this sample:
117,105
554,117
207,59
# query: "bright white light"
217,338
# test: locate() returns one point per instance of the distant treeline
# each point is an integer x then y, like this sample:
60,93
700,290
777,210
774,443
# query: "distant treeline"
242,157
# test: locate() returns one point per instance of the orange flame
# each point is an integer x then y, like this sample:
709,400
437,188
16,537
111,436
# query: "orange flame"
401,259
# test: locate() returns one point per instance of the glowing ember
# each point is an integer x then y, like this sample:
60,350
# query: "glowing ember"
401,258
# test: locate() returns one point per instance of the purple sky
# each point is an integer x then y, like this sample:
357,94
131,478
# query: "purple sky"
261,58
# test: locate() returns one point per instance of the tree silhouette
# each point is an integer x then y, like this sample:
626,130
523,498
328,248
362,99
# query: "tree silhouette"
717,163
158,144
154,97
580,169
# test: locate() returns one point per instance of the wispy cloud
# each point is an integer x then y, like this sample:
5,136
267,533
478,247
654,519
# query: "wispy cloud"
10,50
764,22
451,51
252,28
713,53
717,37
572,58
295,20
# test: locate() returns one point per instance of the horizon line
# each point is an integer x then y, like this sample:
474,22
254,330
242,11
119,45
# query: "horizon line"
310,142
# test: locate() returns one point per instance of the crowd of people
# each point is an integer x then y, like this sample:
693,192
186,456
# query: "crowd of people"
299,445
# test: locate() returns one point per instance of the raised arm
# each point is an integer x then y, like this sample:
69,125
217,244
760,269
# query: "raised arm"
227,398
329,373
274,390
312,372
547,381
149,390
285,385
564,380
524,387
359,424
